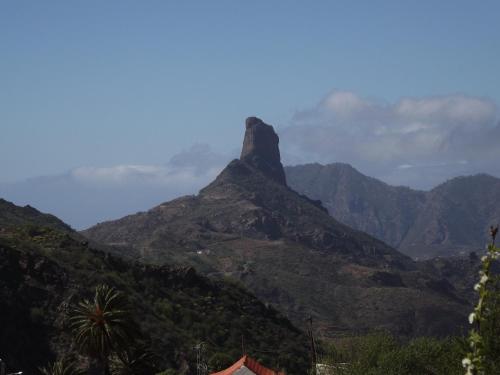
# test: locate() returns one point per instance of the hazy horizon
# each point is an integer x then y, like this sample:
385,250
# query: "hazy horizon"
84,197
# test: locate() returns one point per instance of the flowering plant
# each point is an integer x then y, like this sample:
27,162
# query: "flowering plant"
485,316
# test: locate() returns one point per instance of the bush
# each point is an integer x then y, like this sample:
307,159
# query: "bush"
219,361
484,337
382,354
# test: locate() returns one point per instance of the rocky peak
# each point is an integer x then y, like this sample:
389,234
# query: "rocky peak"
260,149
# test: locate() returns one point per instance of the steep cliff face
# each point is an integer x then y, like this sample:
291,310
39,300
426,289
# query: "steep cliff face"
451,219
455,217
249,225
385,212
261,150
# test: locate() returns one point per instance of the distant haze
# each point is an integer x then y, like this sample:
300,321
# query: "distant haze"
87,195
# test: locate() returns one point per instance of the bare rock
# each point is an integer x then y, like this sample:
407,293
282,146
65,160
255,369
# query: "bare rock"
260,149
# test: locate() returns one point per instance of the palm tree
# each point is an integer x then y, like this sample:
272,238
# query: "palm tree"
64,366
138,360
103,325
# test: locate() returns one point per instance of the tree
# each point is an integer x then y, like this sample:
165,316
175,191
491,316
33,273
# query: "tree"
64,366
137,360
103,325
219,361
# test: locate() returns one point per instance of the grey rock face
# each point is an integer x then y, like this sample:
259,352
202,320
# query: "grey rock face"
261,150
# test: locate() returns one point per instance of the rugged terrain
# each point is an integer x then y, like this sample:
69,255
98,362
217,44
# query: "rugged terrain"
248,224
11,215
45,271
451,219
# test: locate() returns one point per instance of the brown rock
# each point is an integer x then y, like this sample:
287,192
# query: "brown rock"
260,149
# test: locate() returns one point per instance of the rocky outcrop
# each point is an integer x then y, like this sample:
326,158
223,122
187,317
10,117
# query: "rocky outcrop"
260,149
247,224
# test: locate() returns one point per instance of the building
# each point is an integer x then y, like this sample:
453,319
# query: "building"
248,366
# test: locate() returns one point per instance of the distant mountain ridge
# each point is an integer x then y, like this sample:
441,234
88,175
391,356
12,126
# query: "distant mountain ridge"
453,218
248,224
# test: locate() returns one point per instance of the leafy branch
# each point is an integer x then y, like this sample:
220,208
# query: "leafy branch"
484,316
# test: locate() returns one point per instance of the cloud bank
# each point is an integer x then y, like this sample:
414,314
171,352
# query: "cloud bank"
418,142
185,171
87,195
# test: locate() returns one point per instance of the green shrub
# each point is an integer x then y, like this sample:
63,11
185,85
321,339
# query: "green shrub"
219,361
382,354
484,337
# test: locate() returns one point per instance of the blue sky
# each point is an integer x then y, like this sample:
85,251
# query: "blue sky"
100,84
95,82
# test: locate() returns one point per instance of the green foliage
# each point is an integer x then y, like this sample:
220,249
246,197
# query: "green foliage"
382,354
65,366
219,361
137,360
104,324
423,356
484,337
175,308
169,371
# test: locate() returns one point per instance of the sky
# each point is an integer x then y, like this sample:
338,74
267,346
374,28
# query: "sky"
111,98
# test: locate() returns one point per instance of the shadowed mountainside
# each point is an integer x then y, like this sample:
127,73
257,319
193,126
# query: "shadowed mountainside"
45,271
10,214
451,219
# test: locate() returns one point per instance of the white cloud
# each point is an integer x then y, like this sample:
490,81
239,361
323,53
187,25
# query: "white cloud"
116,174
378,137
405,166
189,169
87,195
345,103
152,175
454,109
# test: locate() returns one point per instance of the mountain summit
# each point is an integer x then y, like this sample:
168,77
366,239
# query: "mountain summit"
286,248
261,150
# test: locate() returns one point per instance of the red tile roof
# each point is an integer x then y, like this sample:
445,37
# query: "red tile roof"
251,364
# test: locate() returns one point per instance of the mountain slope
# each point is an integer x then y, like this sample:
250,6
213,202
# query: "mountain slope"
362,202
450,219
456,217
10,215
43,272
290,252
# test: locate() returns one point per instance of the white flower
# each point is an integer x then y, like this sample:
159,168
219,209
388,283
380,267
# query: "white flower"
466,362
477,287
484,258
472,317
483,280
